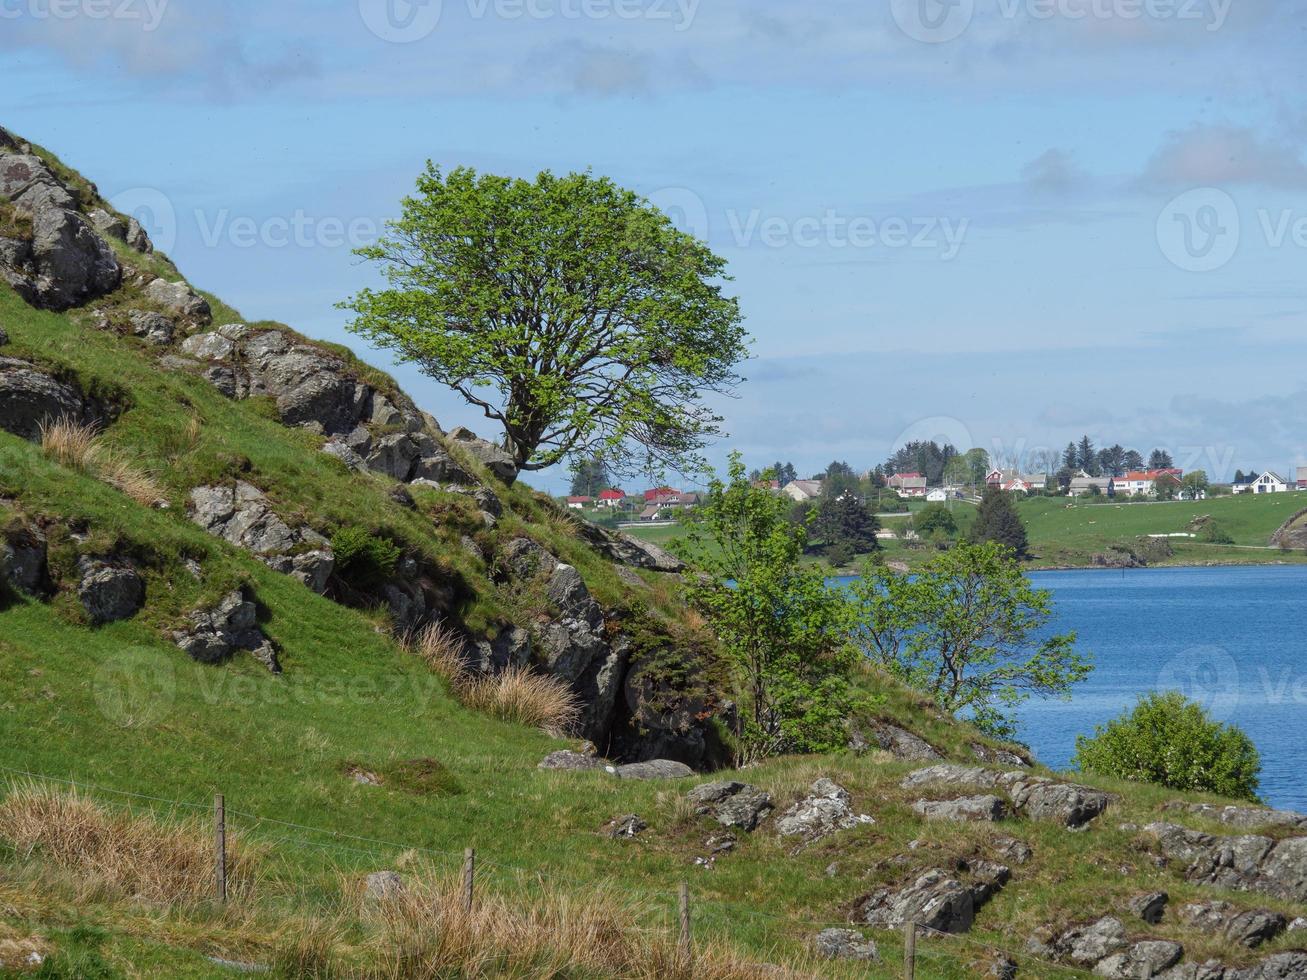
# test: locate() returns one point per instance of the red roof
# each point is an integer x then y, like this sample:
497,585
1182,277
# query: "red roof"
580,500
611,495
661,493
907,476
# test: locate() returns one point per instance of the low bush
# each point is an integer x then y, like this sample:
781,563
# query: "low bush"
363,560
1213,532
1171,741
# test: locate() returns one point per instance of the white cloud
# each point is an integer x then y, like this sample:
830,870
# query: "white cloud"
1221,155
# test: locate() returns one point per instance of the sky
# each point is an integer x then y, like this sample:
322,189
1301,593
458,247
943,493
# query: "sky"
1004,223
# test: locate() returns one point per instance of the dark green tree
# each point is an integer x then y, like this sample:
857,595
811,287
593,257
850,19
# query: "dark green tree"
844,521
589,476
1160,459
1133,461
570,311
1086,457
997,520
1071,457
934,518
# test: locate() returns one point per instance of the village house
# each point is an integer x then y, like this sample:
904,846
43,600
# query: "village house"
1083,484
1016,481
801,490
1302,477
936,496
1141,482
1268,482
611,498
907,484
660,496
579,503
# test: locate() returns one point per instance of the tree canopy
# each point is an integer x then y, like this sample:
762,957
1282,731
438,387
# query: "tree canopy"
997,520
567,309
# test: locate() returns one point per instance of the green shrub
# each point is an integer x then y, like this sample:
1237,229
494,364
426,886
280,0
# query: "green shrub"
1214,533
1170,740
363,560
935,517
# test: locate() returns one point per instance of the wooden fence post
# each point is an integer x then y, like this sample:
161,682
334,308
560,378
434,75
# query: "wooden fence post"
686,948
469,875
220,847
909,950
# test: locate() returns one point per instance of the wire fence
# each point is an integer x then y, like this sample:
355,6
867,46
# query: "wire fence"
656,910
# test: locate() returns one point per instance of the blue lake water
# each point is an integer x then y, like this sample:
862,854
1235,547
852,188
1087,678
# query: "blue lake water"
1234,639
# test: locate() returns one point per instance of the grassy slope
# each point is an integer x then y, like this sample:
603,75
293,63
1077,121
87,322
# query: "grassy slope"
121,708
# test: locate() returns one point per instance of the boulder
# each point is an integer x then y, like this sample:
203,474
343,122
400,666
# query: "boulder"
179,299
1242,817
1086,945
824,811
70,262
1014,850
213,635
1247,927
952,775
109,591
566,759
935,899
964,809
137,238
845,944
732,803
210,346
153,328
439,467
109,225
999,755
1150,906
346,455
500,464
27,181
1068,804
654,769
29,398
1281,966
1149,958
901,743
626,550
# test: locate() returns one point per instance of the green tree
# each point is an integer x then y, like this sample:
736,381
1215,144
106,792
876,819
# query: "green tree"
1160,459
1195,482
969,630
1133,461
845,522
566,309
783,627
935,518
1086,457
589,476
997,520
1171,741
1071,457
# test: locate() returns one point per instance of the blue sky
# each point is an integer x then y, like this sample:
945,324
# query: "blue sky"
1005,222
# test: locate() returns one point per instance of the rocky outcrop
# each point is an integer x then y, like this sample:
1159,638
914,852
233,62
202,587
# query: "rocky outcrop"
625,827
626,550
153,328
1247,927
179,299
999,756
1035,797
30,398
109,590
653,769
566,759
732,803
940,900
898,742
1150,906
1242,817
963,810
242,515
214,635
501,465
825,810
1247,863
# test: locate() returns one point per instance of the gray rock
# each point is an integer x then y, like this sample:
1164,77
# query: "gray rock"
30,398
952,775
1150,906
824,811
346,455
109,225
137,239
500,464
1068,804
574,761
732,803
1087,945
4,337
1299,924
23,559
903,744
1141,961
935,899
1242,817
966,808
628,826
439,467
181,300
626,550
32,186
215,634
109,591
153,328
1281,966
1248,927
524,559
66,263
845,944
1246,863
210,346
1000,755
1014,850
654,769
383,885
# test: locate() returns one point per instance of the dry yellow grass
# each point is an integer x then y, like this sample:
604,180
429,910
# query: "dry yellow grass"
517,695
426,932
75,445
159,861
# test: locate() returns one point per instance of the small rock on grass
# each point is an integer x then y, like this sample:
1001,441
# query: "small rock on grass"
845,944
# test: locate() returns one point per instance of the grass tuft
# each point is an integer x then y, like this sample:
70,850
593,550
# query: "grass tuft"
75,445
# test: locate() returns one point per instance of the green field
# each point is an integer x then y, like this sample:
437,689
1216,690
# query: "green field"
1069,532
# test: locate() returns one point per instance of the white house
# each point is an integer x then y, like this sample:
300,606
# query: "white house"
937,496
801,490
1086,484
1268,482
